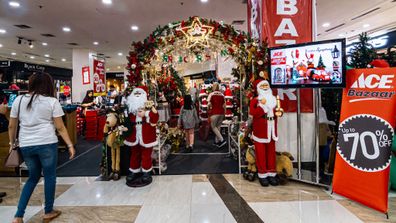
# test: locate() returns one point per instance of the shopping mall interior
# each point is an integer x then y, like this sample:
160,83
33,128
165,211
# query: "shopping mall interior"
202,111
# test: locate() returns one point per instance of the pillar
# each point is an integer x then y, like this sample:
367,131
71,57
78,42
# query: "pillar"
81,58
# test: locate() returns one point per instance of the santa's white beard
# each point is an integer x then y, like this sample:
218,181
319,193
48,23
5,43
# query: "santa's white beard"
267,95
135,103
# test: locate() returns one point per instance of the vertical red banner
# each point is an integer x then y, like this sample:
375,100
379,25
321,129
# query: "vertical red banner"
365,136
86,78
254,19
288,22
99,77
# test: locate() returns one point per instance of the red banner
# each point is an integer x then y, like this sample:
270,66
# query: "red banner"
287,21
99,77
365,135
288,99
86,78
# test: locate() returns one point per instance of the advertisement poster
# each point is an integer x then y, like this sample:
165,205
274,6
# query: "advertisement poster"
86,78
99,78
308,65
366,130
254,18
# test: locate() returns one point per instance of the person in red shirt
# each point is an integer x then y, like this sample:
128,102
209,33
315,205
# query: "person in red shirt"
216,104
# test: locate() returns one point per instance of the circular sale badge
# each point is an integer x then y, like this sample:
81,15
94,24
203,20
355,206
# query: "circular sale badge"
364,142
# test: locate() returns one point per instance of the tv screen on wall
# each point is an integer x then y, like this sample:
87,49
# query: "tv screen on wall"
309,65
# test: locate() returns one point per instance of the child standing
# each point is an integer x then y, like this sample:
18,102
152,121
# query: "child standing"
188,119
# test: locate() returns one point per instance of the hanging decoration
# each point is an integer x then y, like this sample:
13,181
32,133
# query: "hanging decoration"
196,33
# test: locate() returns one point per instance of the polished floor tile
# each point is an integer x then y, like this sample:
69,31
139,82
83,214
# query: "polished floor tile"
164,214
102,214
304,211
7,213
204,193
200,178
211,213
254,192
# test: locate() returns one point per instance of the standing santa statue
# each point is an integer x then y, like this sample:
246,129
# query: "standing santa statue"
265,109
143,119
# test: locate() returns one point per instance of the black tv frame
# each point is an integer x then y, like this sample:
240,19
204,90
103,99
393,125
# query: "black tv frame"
343,55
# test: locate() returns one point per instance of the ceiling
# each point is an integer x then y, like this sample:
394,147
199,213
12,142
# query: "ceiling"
110,25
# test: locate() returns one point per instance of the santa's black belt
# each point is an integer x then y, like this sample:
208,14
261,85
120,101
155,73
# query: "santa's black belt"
138,123
268,118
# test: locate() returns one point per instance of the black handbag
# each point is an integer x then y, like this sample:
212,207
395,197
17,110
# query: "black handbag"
14,158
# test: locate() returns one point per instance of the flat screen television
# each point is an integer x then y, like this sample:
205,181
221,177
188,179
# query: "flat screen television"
309,65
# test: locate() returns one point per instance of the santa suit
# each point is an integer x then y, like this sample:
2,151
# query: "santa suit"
264,137
142,140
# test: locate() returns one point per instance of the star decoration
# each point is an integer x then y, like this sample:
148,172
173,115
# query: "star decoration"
196,33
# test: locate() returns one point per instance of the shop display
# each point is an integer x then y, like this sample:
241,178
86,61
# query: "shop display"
143,119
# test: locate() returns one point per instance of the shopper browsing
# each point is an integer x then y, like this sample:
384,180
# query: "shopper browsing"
216,104
188,120
39,115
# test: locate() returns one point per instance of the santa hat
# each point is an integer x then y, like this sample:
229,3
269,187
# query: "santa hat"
202,93
379,63
141,89
258,82
228,94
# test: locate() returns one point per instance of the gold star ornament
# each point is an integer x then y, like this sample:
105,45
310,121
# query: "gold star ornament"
196,33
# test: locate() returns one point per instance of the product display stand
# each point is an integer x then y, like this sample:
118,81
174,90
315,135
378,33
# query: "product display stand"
299,175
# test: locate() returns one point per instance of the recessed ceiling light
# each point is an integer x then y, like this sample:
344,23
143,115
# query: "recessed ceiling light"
13,53
341,35
46,55
66,29
47,61
44,44
2,31
1,45
204,1
63,60
120,54
32,57
107,2
119,67
31,46
14,4
135,28
95,43
366,25
107,69
326,24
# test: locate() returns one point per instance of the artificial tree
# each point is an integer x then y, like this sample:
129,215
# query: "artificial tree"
362,52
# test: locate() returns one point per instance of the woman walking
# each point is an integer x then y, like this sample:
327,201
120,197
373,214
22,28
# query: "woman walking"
188,119
39,115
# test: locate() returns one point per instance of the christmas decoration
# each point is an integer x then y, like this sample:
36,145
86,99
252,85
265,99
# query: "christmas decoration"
196,33
362,53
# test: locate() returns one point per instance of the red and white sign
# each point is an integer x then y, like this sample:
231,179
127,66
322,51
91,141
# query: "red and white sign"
86,78
99,77
288,99
254,19
287,21
66,90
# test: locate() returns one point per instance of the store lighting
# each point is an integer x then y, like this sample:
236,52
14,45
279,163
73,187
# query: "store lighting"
366,25
204,1
63,60
1,45
107,69
66,29
95,43
326,24
31,46
341,35
46,55
44,44
32,57
2,31
119,54
14,4
119,67
47,61
107,2
135,28
13,53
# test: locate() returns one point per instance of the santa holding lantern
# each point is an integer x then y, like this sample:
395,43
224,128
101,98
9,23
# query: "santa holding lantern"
265,109
143,119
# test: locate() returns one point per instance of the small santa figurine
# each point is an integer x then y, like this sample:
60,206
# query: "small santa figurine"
265,109
143,117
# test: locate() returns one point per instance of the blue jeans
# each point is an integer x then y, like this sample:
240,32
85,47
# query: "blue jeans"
42,158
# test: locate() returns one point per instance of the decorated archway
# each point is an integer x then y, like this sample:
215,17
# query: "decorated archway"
195,39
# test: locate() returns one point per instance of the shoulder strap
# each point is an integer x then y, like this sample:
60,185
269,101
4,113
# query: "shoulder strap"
19,109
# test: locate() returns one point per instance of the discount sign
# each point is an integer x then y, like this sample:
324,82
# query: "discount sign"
365,136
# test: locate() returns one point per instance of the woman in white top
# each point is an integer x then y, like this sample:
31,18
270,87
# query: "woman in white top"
40,115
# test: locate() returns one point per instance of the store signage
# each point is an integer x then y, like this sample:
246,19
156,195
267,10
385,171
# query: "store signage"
287,21
33,67
4,63
86,77
99,77
365,136
288,99
254,18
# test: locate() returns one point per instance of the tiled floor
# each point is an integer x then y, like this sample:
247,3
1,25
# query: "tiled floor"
187,198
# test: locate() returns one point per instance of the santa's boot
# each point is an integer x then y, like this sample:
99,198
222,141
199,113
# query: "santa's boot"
132,176
146,178
264,181
273,180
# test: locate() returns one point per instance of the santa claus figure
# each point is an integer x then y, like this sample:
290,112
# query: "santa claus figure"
264,109
143,117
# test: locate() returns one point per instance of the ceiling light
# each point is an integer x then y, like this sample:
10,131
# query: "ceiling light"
2,31
1,45
66,29
31,46
14,4
135,28
63,60
326,24
13,53
120,54
95,43
32,57
46,55
107,69
366,25
47,61
107,2
341,35
119,67
204,1
44,44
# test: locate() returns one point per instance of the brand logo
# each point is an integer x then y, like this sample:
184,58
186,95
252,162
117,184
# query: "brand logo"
374,81
364,86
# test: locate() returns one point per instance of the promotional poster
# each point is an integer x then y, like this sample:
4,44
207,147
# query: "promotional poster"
319,64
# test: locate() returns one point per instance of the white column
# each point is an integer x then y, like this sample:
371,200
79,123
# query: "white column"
81,58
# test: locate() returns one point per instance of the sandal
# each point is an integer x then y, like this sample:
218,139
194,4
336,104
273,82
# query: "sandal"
50,216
